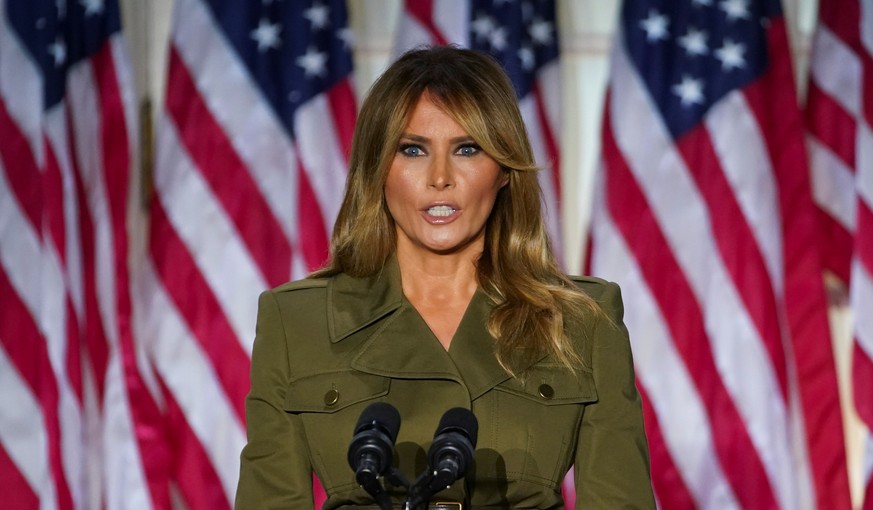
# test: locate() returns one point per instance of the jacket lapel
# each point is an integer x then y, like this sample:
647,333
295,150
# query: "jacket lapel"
403,345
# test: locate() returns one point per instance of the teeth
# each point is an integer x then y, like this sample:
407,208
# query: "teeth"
440,210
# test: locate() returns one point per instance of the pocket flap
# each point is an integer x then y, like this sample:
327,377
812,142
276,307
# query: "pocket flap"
328,392
553,385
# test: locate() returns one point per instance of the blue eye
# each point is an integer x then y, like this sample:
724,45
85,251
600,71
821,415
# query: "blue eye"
411,150
468,150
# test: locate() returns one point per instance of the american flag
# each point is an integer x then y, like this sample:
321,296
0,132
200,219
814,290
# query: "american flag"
523,37
250,166
77,422
704,215
839,114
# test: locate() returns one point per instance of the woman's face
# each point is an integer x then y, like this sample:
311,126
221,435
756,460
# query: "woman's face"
441,186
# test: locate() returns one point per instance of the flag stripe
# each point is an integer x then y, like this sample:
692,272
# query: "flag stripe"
194,300
672,292
217,161
834,126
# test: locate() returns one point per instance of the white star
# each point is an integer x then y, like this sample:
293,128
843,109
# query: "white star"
318,15
92,7
703,3
527,57
690,91
58,50
497,39
313,62
735,9
541,32
61,6
731,55
346,36
482,26
655,26
267,35
694,42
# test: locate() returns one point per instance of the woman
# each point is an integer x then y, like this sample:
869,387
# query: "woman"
442,292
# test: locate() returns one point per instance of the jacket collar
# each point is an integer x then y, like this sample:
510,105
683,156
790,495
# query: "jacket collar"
402,345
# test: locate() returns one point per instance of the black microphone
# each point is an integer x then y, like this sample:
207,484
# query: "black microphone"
371,451
449,457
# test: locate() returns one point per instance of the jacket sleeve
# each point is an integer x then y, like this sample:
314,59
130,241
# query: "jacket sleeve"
275,470
612,461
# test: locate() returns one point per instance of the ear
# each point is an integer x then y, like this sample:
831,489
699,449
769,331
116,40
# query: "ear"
504,177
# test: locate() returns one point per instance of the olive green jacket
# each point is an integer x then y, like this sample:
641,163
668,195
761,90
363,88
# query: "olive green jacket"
325,349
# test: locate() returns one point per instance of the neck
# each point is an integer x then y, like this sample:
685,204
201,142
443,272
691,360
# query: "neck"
434,278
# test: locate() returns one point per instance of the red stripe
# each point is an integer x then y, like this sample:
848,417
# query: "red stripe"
737,245
670,488
198,482
341,98
314,243
114,146
862,381
864,237
194,299
842,18
227,175
837,245
549,141
422,11
22,172
17,493
773,102
26,347
678,306
868,495
833,126
53,201
95,344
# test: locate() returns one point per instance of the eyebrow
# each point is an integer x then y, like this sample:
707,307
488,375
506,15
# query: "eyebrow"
424,139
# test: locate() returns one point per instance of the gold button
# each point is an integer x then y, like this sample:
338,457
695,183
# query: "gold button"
546,391
331,397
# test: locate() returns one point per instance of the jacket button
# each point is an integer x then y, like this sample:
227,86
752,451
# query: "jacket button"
331,397
546,391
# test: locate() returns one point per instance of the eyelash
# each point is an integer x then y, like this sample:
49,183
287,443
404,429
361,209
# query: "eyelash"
406,147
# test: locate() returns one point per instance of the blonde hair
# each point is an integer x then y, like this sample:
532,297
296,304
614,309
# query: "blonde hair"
517,269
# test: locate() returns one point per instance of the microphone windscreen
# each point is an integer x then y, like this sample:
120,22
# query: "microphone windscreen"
458,419
383,415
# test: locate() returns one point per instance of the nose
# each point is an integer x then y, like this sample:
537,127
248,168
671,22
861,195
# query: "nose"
441,175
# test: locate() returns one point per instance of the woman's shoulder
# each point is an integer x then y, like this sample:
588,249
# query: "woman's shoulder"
302,284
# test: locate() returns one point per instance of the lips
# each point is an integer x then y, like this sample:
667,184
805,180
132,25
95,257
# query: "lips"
440,213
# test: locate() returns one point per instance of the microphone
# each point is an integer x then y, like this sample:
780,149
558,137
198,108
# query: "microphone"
371,451
449,457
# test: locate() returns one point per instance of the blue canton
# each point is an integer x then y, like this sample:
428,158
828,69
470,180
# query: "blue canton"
59,33
691,53
521,35
294,50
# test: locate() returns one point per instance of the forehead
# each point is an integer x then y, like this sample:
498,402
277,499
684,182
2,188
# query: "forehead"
427,118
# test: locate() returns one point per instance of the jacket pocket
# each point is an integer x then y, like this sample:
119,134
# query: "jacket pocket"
329,392
528,426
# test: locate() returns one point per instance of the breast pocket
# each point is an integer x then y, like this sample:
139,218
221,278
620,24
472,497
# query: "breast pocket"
529,425
329,405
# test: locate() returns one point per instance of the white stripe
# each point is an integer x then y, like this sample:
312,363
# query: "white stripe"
833,184
864,162
23,432
410,34
21,87
190,377
452,17
321,154
551,200
21,251
549,83
861,297
731,124
256,134
866,26
210,236
835,68
743,363
660,369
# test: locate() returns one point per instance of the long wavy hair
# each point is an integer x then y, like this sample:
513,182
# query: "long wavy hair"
517,268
